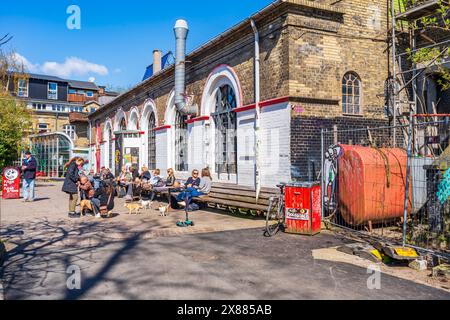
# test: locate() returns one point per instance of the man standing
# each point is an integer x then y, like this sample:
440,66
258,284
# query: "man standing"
29,167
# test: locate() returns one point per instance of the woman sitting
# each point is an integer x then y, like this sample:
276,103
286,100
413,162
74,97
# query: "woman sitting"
123,181
163,186
195,187
145,175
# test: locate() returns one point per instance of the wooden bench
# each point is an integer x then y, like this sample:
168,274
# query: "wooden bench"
236,198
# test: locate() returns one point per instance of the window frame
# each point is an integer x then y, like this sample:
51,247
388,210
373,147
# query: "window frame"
19,88
70,130
348,109
43,130
225,123
89,94
54,92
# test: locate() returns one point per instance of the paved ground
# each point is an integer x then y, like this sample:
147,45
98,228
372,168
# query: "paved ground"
146,257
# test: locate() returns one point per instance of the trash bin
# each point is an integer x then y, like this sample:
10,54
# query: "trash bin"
303,208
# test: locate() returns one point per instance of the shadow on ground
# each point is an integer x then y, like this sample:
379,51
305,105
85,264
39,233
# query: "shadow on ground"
118,264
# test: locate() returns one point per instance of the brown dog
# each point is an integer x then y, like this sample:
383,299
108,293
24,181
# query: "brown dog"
133,207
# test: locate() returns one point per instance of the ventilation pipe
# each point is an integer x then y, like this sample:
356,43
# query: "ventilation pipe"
258,113
181,31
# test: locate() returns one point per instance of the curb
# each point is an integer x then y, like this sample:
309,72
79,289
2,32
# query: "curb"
2,252
2,255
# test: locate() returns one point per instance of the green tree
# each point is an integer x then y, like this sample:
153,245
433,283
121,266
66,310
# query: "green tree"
15,122
434,56
15,118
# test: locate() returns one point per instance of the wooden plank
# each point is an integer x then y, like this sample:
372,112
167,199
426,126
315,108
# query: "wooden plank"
229,203
244,188
242,193
238,198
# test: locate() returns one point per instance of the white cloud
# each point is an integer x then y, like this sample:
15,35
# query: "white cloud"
71,67
21,60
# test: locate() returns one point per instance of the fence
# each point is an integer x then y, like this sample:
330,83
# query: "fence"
390,183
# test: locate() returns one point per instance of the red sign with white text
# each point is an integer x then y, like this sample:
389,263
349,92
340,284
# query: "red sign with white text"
11,183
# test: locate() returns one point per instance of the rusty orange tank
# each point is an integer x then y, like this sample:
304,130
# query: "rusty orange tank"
371,184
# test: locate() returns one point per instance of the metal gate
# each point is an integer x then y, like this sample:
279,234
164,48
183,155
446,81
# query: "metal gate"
390,183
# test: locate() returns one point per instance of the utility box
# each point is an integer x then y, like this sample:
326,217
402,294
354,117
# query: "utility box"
303,208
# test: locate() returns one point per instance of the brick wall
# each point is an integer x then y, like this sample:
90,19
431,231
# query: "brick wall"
306,147
305,53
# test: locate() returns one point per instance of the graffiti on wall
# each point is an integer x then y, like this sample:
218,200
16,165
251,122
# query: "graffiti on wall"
443,193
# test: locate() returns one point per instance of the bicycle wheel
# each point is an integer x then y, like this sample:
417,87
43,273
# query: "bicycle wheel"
272,227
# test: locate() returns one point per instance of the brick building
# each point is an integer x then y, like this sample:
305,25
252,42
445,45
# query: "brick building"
322,63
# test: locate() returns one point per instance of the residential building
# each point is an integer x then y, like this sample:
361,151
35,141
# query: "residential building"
55,131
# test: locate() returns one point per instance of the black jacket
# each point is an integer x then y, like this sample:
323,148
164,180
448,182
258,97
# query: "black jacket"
105,198
30,172
72,176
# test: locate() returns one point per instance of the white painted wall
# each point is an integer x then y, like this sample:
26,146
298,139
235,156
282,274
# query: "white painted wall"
246,148
196,146
275,144
161,151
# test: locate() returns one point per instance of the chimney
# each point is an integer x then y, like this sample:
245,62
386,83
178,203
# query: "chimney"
157,61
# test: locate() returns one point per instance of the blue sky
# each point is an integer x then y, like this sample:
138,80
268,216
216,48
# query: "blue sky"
116,39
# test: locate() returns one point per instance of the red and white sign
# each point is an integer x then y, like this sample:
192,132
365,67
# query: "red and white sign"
11,183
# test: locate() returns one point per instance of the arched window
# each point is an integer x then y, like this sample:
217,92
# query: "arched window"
181,163
225,123
151,142
351,94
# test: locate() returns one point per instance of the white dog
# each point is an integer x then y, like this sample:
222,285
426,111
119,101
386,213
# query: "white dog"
163,211
146,204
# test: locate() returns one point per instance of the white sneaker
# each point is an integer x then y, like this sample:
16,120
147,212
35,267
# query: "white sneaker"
98,215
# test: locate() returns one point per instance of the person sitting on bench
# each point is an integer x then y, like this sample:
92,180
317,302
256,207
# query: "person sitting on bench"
196,187
165,186
145,175
123,182
103,200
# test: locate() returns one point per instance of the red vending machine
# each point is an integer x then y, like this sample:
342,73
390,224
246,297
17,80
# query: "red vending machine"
303,205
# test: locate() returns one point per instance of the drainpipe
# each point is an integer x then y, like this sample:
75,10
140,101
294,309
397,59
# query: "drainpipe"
90,144
181,30
258,112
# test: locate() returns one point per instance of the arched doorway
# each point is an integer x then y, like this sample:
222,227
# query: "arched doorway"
108,138
221,97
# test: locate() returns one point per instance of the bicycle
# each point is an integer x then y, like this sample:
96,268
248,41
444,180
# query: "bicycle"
275,211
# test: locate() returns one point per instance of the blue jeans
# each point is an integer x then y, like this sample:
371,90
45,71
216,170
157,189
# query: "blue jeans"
28,184
188,195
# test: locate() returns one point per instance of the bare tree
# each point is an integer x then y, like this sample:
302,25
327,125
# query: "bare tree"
5,39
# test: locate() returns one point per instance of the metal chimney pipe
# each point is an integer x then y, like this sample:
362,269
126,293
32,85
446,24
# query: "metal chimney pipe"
181,32
157,61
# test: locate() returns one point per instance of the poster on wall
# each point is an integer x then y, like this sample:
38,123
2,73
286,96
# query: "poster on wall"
118,159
